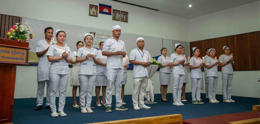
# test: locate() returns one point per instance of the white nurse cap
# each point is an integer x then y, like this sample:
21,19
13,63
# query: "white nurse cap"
59,30
139,38
177,44
194,48
88,34
116,27
211,49
224,47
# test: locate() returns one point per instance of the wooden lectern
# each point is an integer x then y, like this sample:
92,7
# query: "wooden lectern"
12,53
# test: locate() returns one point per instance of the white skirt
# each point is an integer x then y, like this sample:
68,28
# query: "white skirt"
125,78
101,80
75,75
165,78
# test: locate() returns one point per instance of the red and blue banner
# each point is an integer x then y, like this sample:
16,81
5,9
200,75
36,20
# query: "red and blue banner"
105,9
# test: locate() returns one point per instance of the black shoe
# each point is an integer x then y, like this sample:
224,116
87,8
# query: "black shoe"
48,107
38,108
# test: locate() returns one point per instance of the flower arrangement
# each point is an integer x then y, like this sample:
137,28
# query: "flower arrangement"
154,62
20,32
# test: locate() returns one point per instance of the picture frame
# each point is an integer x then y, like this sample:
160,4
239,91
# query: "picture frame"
116,15
93,10
124,16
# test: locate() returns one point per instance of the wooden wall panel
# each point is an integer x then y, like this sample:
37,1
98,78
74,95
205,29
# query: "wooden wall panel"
245,48
6,22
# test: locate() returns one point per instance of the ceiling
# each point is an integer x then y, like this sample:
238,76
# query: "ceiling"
180,8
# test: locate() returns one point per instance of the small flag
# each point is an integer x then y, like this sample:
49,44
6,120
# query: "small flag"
105,9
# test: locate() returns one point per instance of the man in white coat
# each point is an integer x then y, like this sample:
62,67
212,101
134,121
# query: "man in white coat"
43,68
141,59
114,49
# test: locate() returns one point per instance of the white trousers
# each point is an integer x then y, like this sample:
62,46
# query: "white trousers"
140,85
212,86
226,86
196,82
114,78
60,82
40,93
86,89
177,87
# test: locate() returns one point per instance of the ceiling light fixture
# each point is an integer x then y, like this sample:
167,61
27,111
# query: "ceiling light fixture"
190,5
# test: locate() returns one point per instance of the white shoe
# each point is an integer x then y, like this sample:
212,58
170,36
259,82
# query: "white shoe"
231,100
99,105
84,111
180,103
226,100
89,110
176,103
184,100
216,101
136,108
212,101
145,107
54,114
147,102
62,114
123,103
75,106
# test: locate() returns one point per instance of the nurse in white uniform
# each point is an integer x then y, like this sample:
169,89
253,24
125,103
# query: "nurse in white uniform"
75,74
165,74
212,75
88,57
141,59
186,79
126,65
59,55
101,80
177,60
114,48
227,63
43,68
205,73
196,63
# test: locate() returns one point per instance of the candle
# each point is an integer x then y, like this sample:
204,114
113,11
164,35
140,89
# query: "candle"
53,40
66,48
188,58
202,59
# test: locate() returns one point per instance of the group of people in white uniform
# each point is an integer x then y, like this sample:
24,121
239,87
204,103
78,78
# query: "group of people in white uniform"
106,68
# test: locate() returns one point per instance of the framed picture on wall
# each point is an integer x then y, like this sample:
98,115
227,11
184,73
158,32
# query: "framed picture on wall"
93,10
116,15
124,16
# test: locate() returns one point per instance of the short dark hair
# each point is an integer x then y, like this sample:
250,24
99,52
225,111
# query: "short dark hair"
163,49
79,42
101,42
48,28
207,49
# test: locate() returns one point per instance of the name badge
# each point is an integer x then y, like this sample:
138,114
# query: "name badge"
84,64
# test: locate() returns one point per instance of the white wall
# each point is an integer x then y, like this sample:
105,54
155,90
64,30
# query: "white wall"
237,20
75,12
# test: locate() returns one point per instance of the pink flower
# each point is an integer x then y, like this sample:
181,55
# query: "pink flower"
14,27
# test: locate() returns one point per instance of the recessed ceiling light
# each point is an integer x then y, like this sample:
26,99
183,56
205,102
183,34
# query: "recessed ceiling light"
190,5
